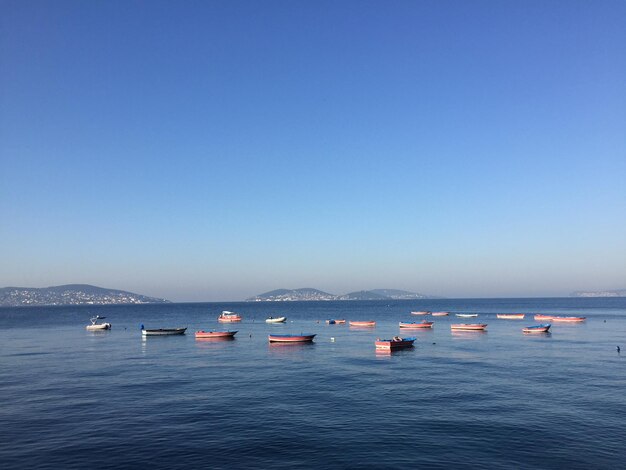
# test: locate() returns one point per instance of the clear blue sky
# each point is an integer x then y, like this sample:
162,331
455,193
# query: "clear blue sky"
213,150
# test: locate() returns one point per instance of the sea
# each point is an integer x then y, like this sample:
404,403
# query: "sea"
502,399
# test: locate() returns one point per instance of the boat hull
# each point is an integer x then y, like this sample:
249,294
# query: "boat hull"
440,314
291,338
466,315
276,320
424,324
537,328
421,313
363,323
164,332
569,319
468,327
99,327
215,334
507,316
392,345
543,317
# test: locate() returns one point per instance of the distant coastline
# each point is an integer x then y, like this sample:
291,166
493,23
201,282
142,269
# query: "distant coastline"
600,293
71,294
310,294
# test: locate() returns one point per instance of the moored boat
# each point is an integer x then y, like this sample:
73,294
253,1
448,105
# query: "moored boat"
276,320
440,314
228,317
537,328
469,326
301,338
466,315
423,312
335,322
423,324
510,316
162,331
363,323
395,343
215,334
543,317
569,319
95,326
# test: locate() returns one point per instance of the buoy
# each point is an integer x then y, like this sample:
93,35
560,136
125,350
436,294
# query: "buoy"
332,340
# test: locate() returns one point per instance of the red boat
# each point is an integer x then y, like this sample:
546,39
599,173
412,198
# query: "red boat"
511,316
421,313
291,338
469,326
543,317
215,334
424,324
569,319
228,317
440,314
394,343
363,323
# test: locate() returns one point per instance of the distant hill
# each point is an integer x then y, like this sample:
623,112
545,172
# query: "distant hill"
70,294
603,293
281,295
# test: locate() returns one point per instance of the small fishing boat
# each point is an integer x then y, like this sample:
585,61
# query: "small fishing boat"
569,319
276,320
395,343
423,312
440,314
466,315
215,334
543,317
301,338
95,326
336,322
363,323
469,326
510,316
423,324
163,331
537,328
228,317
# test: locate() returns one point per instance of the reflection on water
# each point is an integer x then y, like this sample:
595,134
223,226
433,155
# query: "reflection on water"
468,334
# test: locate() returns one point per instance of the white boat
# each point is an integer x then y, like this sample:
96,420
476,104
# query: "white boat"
95,326
466,315
276,320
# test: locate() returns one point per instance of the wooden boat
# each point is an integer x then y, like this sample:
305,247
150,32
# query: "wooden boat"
424,312
276,320
537,328
569,319
440,314
511,316
95,326
424,324
466,315
215,334
395,343
469,326
228,317
335,322
543,317
291,338
163,331
363,323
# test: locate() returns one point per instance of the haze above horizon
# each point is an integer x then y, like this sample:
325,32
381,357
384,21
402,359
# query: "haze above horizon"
210,151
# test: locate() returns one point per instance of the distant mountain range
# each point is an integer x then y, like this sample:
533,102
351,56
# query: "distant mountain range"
71,294
284,295
600,293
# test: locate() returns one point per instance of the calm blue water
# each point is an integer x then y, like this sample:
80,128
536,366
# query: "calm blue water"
501,399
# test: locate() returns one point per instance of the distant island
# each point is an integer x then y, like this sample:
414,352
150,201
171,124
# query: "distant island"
600,293
71,294
307,293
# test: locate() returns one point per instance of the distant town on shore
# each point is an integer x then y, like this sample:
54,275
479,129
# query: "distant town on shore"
84,294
